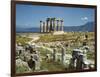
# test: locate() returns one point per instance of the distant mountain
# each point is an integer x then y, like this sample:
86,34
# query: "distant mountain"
89,26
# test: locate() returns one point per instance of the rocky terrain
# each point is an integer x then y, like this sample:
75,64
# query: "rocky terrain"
37,52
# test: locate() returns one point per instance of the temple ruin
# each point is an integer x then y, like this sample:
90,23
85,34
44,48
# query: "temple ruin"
51,25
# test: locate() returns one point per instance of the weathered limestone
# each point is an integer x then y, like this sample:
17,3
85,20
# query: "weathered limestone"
47,23
32,63
61,25
79,64
36,59
57,25
22,66
48,57
43,26
51,25
54,24
79,58
19,50
54,54
67,58
63,52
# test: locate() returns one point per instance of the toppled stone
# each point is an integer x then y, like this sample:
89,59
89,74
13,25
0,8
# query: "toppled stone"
22,66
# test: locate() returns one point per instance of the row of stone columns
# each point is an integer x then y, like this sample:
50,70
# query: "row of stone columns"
51,24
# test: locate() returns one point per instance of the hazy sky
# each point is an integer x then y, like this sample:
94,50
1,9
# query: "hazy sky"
30,15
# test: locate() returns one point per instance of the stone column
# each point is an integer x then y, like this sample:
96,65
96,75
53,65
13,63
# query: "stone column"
50,24
54,25
45,29
63,52
43,26
61,25
47,25
40,26
57,24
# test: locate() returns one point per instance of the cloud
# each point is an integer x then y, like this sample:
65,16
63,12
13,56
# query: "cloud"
84,18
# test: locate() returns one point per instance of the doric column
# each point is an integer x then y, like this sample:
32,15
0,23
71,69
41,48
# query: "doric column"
45,29
62,25
54,25
57,24
47,25
40,25
50,24
43,26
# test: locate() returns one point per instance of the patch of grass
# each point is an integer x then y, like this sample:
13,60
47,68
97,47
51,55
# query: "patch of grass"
43,51
91,55
21,69
52,66
76,36
22,40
